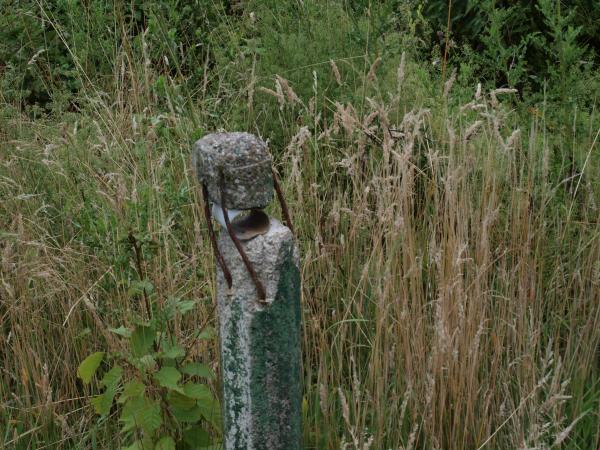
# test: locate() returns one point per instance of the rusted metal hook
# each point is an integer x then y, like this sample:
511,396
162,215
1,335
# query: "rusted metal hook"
260,290
282,202
213,239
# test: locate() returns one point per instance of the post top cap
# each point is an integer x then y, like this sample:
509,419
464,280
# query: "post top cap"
241,162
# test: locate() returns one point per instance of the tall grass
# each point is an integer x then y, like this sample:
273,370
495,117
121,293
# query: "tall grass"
450,260
457,301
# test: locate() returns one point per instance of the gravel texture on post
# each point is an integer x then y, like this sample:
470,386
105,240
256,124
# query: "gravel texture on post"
260,343
241,162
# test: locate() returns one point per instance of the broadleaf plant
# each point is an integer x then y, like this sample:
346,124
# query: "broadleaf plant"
154,387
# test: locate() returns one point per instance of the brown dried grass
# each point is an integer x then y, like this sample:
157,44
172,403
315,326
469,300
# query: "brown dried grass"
449,302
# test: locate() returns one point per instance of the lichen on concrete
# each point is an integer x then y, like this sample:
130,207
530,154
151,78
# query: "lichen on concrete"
241,162
260,343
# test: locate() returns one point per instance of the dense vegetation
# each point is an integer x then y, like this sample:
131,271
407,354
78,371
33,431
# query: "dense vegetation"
441,163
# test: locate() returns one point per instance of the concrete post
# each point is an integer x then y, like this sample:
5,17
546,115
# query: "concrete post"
260,344
258,294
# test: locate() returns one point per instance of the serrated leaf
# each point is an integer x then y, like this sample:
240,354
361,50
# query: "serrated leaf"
172,350
165,443
191,415
146,362
180,401
168,377
208,333
141,340
211,411
196,437
112,377
198,369
135,388
102,403
197,391
121,331
89,365
141,412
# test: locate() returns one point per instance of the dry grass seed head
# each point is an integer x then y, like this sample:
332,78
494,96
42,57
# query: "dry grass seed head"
371,76
336,72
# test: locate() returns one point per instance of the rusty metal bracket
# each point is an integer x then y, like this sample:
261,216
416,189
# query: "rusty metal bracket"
213,239
282,202
260,290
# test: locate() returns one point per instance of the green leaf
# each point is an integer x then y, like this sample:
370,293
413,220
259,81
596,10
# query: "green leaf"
121,331
165,443
211,411
168,377
141,412
180,401
198,132
146,362
88,367
172,350
135,388
198,369
208,333
176,305
145,444
139,287
185,306
196,437
84,332
198,391
192,415
112,377
141,340
102,403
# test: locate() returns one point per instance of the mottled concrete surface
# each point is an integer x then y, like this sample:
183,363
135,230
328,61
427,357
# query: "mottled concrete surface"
260,344
242,161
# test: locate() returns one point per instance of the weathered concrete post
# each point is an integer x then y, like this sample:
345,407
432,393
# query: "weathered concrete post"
258,296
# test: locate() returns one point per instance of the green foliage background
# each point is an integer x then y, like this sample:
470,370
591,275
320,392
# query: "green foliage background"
51,50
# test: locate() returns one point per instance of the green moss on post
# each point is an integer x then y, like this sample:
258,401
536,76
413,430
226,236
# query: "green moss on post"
260,344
